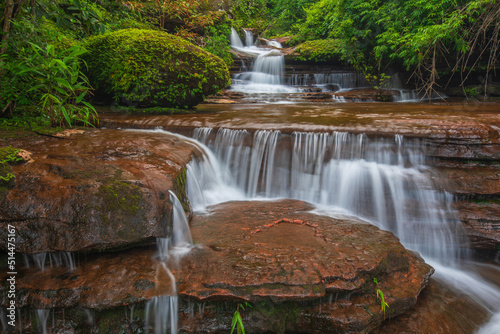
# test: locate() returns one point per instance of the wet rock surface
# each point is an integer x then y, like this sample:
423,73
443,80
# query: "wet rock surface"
99,190
439,309
482,222
462,139
99,282
301,272
277,252
459,131
368,95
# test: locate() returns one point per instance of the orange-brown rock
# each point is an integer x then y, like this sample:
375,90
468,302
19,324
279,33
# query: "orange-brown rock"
280,253
300,271
439,309
98,190
482,222
99,282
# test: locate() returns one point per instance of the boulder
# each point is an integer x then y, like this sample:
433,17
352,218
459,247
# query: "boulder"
301,272
151,68
103,189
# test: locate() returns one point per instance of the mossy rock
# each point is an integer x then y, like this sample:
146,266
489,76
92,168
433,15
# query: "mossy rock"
321,50
149,68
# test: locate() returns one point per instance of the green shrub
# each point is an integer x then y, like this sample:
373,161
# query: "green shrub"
150,68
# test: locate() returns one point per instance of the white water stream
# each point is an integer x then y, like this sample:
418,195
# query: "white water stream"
161,313
266,74
383,181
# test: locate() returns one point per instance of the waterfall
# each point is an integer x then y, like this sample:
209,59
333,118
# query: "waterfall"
161,312
179,241
248,37
235,39
161,315
42,316
41,260
267,71
384,181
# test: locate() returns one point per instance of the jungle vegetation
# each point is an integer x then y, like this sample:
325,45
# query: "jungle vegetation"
42,41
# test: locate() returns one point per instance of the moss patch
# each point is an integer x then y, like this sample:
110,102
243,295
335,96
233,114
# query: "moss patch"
148,68
8,157
121,197
322,50
180,185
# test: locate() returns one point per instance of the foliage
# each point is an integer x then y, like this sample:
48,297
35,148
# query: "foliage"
8,155
270,17
378,81
420,35
380,295
86,17
320,50
237,321
216,40
148,68
55,84
201,22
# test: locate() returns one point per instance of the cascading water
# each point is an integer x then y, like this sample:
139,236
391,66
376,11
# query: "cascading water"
384,181
161,313
267,71
267,74
41,260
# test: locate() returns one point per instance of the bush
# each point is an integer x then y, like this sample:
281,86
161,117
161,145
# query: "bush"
150,68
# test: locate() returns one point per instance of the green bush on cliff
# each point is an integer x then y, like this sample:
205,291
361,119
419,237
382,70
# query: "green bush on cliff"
319,50
151,68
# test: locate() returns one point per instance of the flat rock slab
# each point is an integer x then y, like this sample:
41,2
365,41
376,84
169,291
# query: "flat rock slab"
102,282
472,130
103,189
279,252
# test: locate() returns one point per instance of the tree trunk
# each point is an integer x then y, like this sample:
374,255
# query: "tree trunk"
8,13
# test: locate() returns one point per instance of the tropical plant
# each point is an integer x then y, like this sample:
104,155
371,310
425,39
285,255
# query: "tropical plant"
57,85
380,295
237,322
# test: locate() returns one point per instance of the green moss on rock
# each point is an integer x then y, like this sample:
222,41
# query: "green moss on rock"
149,68
321,50
8,156
120,196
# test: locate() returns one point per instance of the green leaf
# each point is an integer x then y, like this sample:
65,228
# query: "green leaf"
80,97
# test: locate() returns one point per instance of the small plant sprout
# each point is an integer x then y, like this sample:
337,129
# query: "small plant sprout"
237,321
380,295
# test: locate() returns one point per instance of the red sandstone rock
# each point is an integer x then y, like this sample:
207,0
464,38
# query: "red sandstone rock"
101,282
277,252
103,189
368,95
482,223
301,272
439,310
